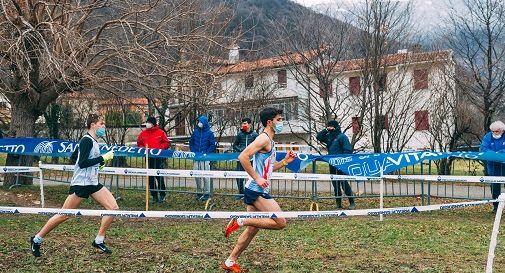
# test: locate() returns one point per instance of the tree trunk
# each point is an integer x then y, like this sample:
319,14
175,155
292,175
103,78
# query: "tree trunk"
22,124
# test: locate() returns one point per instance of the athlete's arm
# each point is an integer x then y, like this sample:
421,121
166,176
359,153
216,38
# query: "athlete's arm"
85,146
290,156
259,144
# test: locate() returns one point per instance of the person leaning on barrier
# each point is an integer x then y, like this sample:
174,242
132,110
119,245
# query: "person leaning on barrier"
494,141
155,138
245,136
85,183
337,143
202,141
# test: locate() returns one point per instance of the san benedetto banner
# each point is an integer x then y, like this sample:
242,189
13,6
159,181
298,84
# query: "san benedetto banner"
360,164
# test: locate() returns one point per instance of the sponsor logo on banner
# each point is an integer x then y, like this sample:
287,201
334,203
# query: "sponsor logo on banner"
48,213
45,147
456,206
319,215
340,160
126,215
245,215
491,180
225,174
385,212
8,212
186,216
179,154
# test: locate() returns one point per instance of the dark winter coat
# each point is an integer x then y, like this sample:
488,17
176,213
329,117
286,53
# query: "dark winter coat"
336,142
202,140
243,139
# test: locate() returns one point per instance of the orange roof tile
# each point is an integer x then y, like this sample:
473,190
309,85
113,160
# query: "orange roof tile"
345,65
395,59
268,63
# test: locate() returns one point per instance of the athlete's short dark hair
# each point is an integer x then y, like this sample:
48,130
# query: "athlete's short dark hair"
92,118
269,114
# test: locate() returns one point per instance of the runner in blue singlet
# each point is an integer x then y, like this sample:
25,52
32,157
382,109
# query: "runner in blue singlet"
256,192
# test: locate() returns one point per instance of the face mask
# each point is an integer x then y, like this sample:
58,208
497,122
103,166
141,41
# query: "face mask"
496,136
100,132
278,127
245,128
200,125
149,125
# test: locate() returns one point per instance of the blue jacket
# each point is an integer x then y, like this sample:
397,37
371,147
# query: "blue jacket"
336,141
202,140
489,144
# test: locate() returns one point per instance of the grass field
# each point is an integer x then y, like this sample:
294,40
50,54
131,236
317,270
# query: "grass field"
440,241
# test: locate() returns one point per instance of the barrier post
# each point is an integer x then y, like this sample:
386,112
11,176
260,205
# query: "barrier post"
494,234
314,197
381,201
41,184
147,178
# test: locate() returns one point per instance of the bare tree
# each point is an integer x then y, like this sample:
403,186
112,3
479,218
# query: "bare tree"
311,48
477,36
49,48
386,25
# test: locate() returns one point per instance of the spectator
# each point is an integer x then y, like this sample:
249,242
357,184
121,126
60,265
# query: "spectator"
245,136
494,141
337,143
202,141
155,138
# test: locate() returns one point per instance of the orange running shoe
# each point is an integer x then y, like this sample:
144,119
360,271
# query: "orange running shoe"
235,268
231,227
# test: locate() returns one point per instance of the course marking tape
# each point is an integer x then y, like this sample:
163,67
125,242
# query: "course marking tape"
228,215
9,169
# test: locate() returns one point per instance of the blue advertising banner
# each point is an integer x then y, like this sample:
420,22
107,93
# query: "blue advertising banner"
352,164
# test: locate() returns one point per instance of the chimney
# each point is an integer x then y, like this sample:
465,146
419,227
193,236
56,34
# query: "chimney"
417,48
234,55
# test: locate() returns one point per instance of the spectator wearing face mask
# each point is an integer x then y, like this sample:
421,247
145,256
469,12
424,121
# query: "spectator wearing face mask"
494,141
202,141
155,138
245,136
337,143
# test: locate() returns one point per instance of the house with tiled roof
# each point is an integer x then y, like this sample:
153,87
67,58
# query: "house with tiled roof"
417,83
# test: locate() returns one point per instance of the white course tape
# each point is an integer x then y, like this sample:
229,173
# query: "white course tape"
212,174
228,215
448,178
9,169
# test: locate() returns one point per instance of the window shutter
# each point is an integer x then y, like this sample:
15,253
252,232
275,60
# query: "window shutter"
420,79
356,125
281,78
354,85
421,120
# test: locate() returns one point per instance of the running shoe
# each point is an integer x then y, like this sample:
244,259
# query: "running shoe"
35,247
102,247
234,268
231,227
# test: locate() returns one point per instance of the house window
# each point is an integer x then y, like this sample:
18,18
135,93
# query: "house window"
321,89
354,85
281,78
420,79
421,119
356,125
382,122
382,82
249,81
179,125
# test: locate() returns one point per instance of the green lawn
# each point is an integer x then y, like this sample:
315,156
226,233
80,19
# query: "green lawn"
441,241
